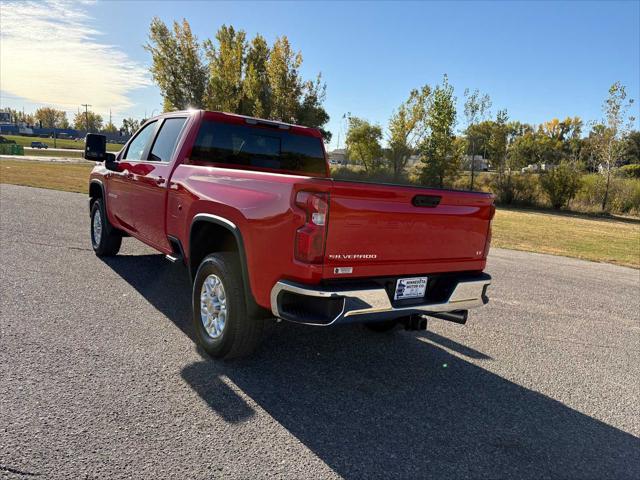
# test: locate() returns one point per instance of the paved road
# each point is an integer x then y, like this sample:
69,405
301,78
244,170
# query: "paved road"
101,379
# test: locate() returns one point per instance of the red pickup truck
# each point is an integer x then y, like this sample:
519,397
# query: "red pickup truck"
249,207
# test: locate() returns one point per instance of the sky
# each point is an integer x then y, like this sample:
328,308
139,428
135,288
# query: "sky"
539,60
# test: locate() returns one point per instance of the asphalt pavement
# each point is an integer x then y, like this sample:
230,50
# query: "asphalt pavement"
100,377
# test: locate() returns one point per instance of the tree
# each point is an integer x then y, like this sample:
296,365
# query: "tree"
559,140
498,141
522,150
310,109
226,61
363,144
407,128
256,98
284,80
129,126
476,106
233,76
87,121
632,148
110,128
177,66
439,150
51,118
609,139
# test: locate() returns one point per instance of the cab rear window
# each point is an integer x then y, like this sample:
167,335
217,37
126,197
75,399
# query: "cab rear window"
258,147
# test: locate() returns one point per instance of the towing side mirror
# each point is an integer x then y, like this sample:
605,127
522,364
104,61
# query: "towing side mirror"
95,148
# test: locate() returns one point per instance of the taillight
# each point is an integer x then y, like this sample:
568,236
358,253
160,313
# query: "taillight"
310,238
487,244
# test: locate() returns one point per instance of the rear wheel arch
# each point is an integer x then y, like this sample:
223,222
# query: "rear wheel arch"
213,234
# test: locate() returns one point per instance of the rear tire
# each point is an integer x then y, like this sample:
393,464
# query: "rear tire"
105,239
223,327
381,327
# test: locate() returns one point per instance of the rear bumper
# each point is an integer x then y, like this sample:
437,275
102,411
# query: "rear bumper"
369,302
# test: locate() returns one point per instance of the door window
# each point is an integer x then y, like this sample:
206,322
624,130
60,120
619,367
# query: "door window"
138,145
166,141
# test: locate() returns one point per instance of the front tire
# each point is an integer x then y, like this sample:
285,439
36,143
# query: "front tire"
223,327
105,239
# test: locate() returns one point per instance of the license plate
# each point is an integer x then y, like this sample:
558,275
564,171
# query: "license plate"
410,288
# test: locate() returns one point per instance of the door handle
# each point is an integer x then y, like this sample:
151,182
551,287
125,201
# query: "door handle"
160,181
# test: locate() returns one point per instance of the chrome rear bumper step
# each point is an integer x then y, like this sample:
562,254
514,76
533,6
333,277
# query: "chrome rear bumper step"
317,305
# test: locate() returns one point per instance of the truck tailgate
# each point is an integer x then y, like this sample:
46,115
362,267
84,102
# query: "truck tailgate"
383,230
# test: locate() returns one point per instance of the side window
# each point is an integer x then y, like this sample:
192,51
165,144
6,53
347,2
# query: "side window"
139,143
166,140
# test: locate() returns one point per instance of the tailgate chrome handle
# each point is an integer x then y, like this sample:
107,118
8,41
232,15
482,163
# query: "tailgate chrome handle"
429,201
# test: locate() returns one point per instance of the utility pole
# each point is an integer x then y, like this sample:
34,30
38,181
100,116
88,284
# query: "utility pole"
109,116
86,114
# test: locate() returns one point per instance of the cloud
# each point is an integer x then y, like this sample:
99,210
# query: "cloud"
50,54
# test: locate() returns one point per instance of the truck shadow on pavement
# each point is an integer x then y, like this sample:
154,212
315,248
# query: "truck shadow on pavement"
400,406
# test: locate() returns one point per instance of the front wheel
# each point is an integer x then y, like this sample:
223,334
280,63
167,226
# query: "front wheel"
220,319
105,239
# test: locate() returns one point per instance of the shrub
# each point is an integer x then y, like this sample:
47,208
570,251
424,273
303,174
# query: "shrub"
629,171
591,191
624,194
515,188
561,184
481,183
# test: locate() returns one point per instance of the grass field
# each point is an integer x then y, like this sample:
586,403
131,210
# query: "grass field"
590,238
57,176
60,142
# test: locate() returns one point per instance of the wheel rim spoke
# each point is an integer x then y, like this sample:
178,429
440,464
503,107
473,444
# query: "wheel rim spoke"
97,227
213,306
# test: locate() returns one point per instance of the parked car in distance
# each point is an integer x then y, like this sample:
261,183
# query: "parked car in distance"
247,205
39,145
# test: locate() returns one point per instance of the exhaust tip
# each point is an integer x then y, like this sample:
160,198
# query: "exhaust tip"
457,316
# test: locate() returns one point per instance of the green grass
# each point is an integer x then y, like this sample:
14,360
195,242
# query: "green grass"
60,142
572,235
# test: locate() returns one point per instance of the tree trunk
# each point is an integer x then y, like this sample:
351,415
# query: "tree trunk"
473,163
606,188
